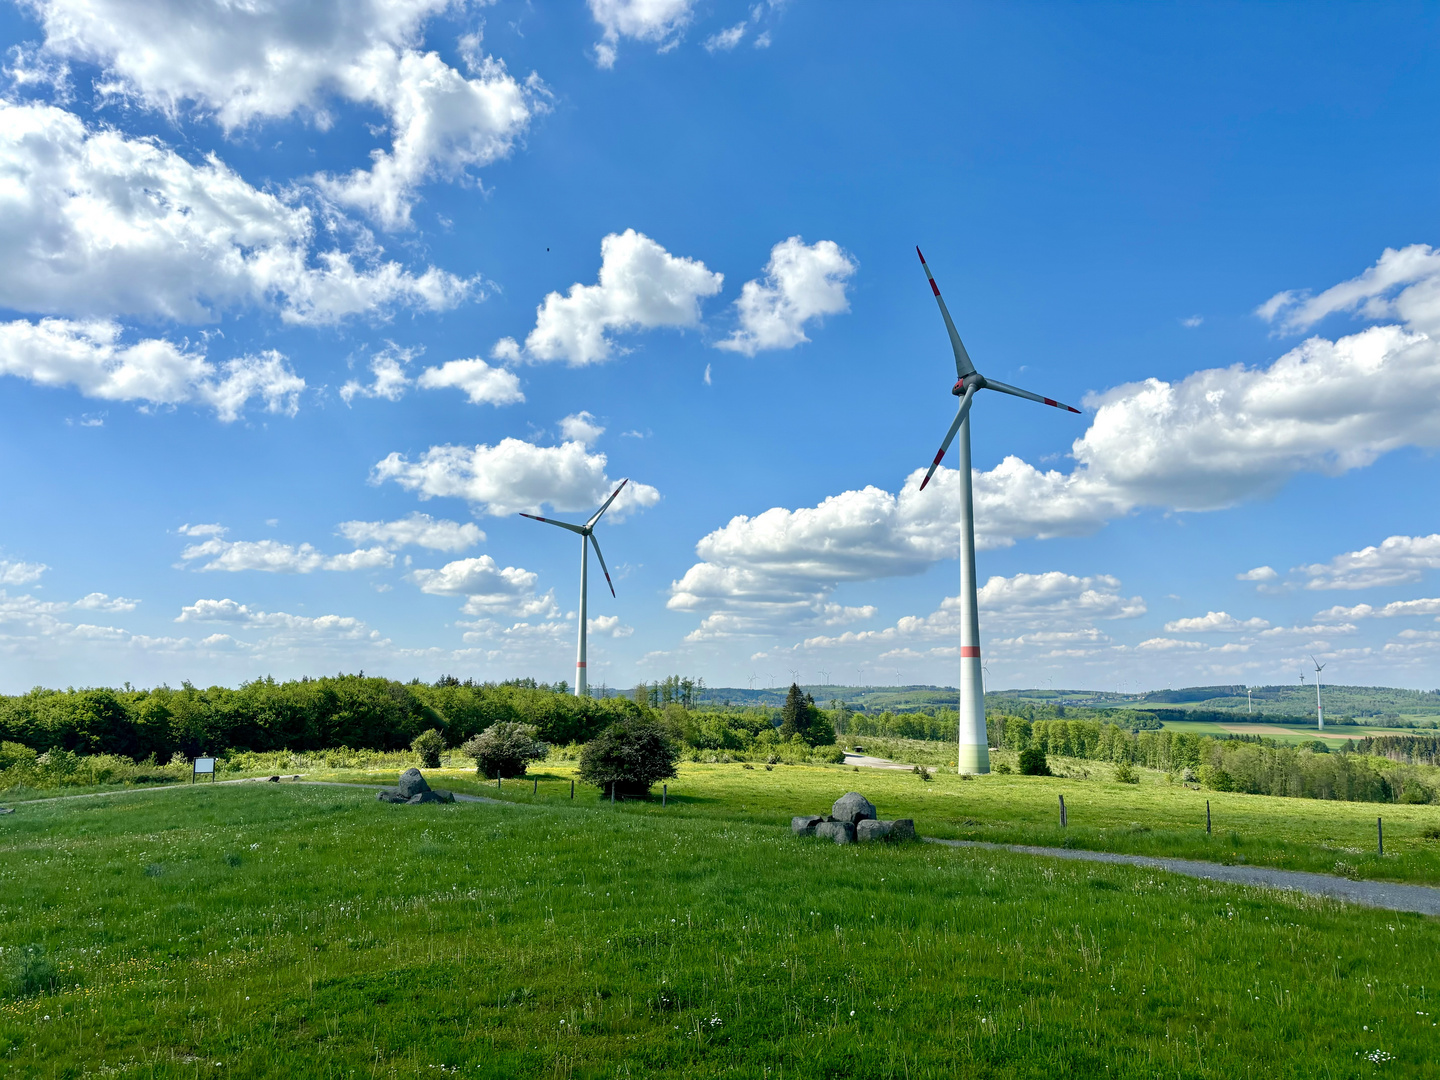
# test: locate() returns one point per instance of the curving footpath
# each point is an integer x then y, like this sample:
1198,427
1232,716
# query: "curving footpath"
1421,899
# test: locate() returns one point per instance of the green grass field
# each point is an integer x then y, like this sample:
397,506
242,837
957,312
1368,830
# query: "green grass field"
287,930
1293,734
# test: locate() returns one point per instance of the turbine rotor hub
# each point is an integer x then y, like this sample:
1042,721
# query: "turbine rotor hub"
973,379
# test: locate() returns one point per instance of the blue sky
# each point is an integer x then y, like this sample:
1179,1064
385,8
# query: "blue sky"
299,307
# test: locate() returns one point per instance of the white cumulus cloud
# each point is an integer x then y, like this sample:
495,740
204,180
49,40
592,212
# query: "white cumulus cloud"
95,224
1216,622
274,557
488,587
390,380
1395,560
727,39
248,63
418,529
641,286
514,476
580,427
657,21
1260,573
482,384
801,284
20,573
91,357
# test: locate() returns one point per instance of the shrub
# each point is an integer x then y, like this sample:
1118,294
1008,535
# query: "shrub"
1216,779
429,745
922,772
29,971
1033,763
505,749
628,757
829,755
1126,774
1004,769
1430,832
1416,794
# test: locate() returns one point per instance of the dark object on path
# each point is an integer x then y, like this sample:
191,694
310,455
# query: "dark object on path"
853,807
412,788
7,809
272,779
805,826
1033,763
842,832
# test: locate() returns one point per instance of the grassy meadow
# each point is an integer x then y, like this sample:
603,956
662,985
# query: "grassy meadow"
278,929
1334,736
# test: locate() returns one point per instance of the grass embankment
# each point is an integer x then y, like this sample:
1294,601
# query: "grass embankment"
278,930
1153,817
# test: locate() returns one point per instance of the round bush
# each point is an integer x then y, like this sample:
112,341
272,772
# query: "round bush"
631,755
505,749
429,745
1033,763
1126,774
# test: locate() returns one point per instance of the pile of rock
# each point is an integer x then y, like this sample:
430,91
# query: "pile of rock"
412,788
852,819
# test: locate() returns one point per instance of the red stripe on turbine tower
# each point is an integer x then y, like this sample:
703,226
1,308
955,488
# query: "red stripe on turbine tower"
579,663
970,650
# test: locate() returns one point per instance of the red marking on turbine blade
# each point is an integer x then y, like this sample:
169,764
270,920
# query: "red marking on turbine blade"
1075,411
934,288
1049,402
967,651
926,480
938,456
920,253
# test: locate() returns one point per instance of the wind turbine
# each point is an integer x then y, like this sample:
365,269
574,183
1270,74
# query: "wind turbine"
1319,712
974,752
587,533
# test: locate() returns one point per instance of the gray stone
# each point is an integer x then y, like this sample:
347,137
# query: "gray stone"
805,826
852,806
842,832
411,783
390,795
424,797
272,779
869,829
903,829
445,796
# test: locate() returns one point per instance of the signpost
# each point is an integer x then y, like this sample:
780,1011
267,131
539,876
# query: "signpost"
202,765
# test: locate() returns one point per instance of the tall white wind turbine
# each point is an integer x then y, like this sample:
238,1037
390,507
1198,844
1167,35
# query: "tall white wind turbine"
974,755
1319,711
587,538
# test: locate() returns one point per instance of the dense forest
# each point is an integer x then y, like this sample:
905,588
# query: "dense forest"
47,732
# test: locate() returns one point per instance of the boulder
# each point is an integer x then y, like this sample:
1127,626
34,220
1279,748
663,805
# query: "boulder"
445,796
272,779
842,832
852,806
389,795
412,783
903,829
869,829
805,826
424,797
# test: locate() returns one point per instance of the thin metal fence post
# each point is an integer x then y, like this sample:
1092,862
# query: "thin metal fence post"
1062,812
612,792
664,794
572,790
1207,817
497,783
1380,833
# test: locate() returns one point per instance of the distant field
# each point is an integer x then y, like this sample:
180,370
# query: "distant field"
1284,733
280,930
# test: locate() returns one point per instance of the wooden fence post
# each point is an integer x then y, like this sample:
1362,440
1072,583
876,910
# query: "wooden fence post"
536,789
664,794
1380,833
572,790
1207,817
1063,821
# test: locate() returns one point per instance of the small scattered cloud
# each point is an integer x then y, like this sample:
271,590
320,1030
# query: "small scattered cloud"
420,530
801,285
581,427
725,40
1216,622
482,384
1192,322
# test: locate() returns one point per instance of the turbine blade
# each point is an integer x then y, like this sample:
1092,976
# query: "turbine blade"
1004,388
596,544
608,501
950,435
963,366
558,524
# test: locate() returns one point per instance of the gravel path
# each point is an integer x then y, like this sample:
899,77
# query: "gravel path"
243,780
1422,899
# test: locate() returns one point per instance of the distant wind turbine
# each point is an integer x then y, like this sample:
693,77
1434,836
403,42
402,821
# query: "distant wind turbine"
974,753
1319,711
587,538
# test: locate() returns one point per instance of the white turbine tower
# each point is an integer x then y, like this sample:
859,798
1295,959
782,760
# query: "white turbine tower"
974,755
587,537
1319,711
